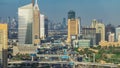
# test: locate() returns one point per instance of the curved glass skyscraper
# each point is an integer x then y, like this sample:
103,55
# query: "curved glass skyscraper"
25,20
29,24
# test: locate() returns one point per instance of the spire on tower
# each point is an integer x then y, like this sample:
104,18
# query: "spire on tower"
36,5
36,1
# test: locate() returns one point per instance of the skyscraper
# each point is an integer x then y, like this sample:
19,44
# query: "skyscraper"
73,29
64,24
36,24
71,14
42,26
12,28
9,21
13,23
79,23
109,28
89,34
3,44
25,21
46,26
117,30
29,24
100,30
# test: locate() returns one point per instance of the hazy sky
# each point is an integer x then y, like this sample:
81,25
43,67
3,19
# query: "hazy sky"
106,10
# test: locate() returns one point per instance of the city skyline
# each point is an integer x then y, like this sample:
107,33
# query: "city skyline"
59,34
105,10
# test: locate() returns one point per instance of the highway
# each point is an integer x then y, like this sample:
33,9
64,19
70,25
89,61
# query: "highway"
49,62
64,62
45,55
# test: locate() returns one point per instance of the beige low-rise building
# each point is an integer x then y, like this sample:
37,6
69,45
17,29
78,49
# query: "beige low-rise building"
106,43
24,49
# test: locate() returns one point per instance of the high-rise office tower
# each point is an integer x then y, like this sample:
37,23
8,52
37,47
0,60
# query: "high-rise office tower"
73,29
9,26
13,23
25,21
79,23
109,28
36,24
3,44
117,34
89,34
46,26
64,23
9,21
71,14
50,25
100,30
12,28
29,24
42,26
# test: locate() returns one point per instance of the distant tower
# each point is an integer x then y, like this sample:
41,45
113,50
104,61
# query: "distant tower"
8,22
13,23
64,23
79,23
71,14
42,26
3,44
46,26
73,26
117,34
36,24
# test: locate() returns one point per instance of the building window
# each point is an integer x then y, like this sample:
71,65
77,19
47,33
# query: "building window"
36,36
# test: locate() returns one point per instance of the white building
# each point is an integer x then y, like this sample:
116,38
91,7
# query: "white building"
100,29
117,34
83,43
25,20
111,37
42,26
79,23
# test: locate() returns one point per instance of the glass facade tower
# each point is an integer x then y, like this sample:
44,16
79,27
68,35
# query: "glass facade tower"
71,14
25,20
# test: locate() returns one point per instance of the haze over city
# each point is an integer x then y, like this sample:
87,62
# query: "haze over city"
108,11
59,34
